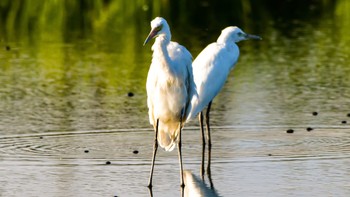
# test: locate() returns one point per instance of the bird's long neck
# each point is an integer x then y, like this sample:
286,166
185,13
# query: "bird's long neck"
223,38
232,48
160,52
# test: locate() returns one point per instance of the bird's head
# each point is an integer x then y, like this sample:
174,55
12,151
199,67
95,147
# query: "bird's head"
235,34
159,27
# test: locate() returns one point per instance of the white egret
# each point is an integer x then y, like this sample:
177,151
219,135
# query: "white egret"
210,71
169,88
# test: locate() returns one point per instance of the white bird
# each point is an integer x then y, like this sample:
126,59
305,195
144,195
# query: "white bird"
210,71
169,88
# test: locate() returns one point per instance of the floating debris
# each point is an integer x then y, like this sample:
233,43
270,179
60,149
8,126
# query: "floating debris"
8,48
86,151
309,129
290,131
41,137
135,151
343,122
315,113
108,162
348,114
269,155
130,94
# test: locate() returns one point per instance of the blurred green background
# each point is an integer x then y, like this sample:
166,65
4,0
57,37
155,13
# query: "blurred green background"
69,65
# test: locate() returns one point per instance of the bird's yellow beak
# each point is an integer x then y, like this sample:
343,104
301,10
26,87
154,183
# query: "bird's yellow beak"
151,35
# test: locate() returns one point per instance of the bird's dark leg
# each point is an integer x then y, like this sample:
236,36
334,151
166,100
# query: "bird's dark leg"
155,147
150,191
209,144
182,184
202,171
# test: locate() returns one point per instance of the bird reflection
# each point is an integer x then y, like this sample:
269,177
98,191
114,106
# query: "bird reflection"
195,187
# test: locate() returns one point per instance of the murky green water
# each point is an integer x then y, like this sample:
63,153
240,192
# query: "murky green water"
67,70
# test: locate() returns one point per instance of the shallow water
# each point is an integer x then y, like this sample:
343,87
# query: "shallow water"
73,98
247,161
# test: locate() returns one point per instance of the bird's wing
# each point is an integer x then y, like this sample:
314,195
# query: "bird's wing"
183,58
179,54
210,71
191,88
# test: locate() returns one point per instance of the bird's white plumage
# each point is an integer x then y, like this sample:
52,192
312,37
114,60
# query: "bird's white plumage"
169,84
212,67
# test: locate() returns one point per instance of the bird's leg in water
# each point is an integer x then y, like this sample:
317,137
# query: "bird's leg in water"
182,184
155,147
202,171
150,191
209,145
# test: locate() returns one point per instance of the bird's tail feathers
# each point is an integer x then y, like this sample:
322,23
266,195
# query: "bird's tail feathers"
168,135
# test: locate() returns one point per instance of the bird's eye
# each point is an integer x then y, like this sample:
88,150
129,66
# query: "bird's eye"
159,28
240,34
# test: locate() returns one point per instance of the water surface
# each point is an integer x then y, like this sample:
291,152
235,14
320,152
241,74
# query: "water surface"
72,97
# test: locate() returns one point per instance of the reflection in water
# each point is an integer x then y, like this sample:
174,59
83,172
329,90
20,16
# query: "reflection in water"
195,187
74,71
248,161
67,67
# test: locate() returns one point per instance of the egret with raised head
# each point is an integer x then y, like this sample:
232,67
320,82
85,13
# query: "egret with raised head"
210,71
169,88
